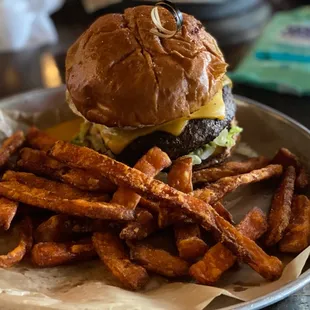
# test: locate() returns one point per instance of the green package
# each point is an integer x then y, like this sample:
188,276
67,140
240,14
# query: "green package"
280,59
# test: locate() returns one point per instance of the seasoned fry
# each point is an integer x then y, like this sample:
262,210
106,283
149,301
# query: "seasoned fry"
24,245
151,206
51,254
40,140
150,164
180,175
78,207
297,234
286,158
8,210
254,224
144,224
158,260
216,191
111,251
219,258
229,169
223,212
280,212
81,157
10,146
60,189
39,163
62,227
219,189
189,243
167,217
302,180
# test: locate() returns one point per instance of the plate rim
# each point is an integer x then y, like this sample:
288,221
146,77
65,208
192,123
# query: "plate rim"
257,303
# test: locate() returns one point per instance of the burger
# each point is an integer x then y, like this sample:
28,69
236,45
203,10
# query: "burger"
136,89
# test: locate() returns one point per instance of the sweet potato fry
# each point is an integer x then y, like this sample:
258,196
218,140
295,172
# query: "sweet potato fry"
39,163
8,210
60,189
302,180
78,207
150,164
151,206
167,217
297,234
81,157
51,254
280,212
286,158
179,177
189,243
111,251
229,169
254,224
158,260
62,227
219,189
223,212
10,146
219,258
40,140
144,224
24,245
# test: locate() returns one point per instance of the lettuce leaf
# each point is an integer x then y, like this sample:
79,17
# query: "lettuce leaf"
89,136
80,138
225,139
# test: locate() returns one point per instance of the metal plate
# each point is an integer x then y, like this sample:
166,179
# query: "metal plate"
265,130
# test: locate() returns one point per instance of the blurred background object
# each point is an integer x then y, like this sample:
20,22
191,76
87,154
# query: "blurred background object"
229,21
234,23
26,23
280,59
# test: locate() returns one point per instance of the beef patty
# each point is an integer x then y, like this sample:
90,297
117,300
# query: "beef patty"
197,133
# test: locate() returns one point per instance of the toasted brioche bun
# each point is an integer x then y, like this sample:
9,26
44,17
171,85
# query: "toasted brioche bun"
120,74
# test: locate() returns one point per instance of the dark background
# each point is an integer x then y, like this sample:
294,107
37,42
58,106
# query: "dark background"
44,67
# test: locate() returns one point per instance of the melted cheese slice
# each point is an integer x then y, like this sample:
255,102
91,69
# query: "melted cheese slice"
65,131
116,139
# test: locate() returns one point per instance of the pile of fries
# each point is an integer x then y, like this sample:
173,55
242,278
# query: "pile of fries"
71,204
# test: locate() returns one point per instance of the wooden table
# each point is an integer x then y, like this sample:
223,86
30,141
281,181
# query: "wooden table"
44,67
